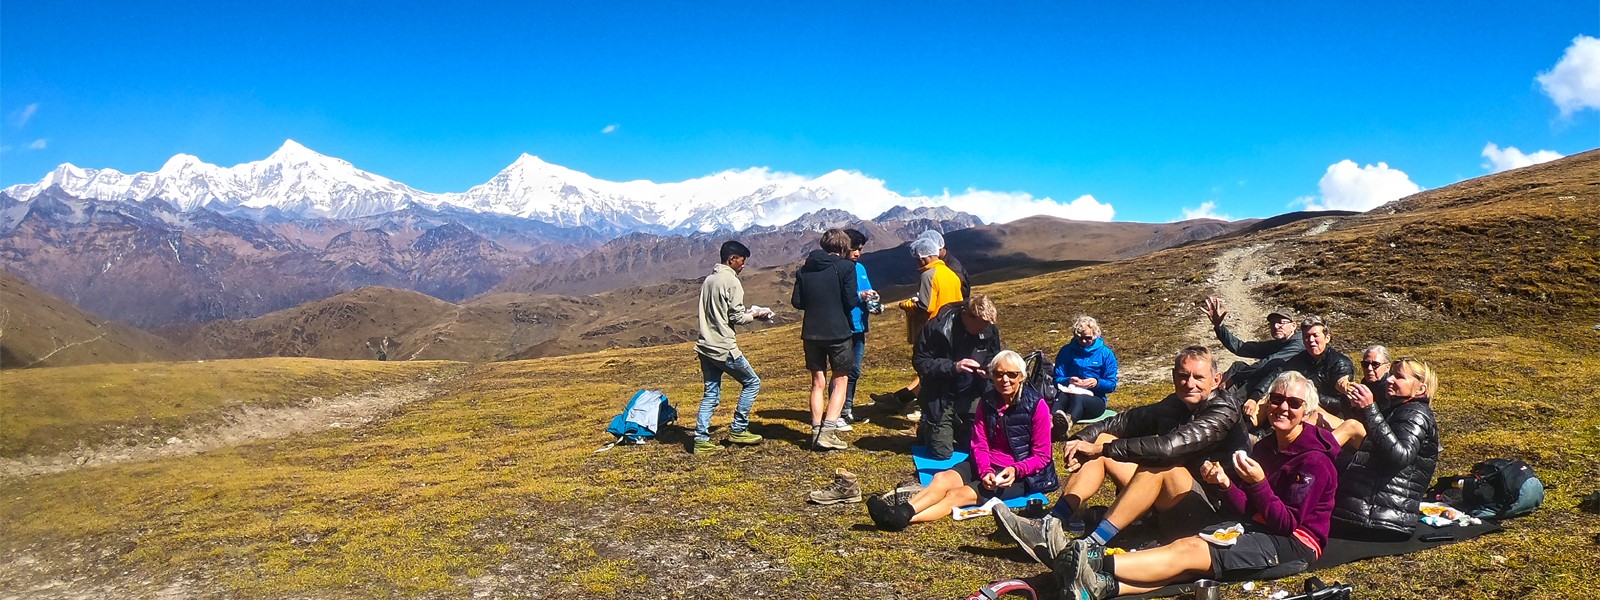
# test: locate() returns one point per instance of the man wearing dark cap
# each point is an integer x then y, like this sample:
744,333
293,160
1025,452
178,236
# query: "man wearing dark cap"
1251,380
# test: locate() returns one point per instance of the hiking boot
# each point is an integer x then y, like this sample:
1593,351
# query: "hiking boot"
1042,538
744,437
842,425
1091,580
902,493
844,489
1063,421
706,447
828,439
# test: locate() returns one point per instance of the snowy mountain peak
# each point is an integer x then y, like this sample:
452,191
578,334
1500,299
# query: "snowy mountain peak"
292,150
299,181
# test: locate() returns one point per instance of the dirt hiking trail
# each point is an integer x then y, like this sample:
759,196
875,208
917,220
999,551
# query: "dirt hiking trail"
239,426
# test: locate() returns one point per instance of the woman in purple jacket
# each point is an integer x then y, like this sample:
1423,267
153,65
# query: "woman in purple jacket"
1286,484
1011,454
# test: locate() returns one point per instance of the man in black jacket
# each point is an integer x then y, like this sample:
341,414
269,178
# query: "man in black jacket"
1327,368
825,288
949,357
1250,381
1153,452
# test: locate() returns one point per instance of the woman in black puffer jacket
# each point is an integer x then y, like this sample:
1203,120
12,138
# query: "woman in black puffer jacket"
1381,483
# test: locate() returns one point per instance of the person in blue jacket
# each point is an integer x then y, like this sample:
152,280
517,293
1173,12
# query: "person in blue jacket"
1086,371
859,316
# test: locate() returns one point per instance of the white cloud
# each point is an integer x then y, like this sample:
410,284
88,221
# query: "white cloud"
37,144
1206,210
1574,83
1512,158
1348,187
21,116
1004,207
612,128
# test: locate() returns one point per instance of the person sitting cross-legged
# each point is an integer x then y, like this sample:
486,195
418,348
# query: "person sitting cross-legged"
1153,453
1286,484
1086,369
1010,454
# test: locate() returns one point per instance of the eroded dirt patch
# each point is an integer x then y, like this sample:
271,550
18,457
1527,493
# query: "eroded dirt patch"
239,426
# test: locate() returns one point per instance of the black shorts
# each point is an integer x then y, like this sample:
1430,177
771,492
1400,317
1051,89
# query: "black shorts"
964,469
1256,553
838,356
1193,512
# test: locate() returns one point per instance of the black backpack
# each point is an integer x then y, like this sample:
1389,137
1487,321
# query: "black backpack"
1041,375
1499,488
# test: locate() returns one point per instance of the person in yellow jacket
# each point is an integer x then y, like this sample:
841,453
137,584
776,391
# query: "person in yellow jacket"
940,286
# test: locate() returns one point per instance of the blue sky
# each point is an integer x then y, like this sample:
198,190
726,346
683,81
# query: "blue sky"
1155,109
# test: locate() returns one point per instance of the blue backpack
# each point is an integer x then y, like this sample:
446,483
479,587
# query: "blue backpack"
644,416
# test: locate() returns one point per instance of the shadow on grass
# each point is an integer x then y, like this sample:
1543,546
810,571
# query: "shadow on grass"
898,444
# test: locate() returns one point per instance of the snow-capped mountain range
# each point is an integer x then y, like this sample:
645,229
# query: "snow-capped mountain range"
304,183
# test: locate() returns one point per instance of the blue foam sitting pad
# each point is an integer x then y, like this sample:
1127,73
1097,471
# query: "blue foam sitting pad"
928,466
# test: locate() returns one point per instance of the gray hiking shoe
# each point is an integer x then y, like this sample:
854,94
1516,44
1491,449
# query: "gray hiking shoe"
1091,580
828,439
1042,538
844,488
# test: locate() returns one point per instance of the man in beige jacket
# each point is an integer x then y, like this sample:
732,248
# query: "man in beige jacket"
722,307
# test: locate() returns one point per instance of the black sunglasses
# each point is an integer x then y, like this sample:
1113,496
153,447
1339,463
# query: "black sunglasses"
1294,403
1372,364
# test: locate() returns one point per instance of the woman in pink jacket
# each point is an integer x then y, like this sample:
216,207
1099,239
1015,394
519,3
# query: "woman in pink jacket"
1011,454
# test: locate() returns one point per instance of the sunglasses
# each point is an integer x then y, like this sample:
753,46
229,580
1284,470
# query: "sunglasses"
1008,374
1294,403
1372,364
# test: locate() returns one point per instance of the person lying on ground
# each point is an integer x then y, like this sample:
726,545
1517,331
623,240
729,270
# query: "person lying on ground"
1285,485
1381,483
1086,363
1249,380
825,290
1153,453
949,359
1011,455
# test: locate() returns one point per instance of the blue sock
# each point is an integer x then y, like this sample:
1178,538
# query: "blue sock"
1104,533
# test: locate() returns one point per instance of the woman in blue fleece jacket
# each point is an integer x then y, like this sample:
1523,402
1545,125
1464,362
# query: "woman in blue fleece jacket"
1085,362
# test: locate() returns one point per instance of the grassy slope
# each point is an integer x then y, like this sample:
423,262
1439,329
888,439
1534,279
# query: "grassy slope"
494,487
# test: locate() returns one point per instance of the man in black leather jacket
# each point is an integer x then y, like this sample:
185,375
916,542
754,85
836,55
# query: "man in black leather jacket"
949,357
1324,366
1153,452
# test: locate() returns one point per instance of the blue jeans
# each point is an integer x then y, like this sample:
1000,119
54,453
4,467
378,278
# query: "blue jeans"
711,370
860,340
